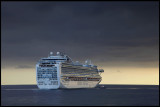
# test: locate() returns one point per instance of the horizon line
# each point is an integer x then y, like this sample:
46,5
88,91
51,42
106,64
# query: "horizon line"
99,84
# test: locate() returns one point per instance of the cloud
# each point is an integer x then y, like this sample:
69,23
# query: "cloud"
102,31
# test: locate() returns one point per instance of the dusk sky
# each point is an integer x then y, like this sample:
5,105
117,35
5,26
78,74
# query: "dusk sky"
120,37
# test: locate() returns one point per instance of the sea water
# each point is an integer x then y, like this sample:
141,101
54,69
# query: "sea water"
102,95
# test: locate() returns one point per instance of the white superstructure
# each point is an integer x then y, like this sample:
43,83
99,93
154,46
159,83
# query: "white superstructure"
60,71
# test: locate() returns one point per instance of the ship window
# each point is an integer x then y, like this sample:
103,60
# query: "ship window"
53,59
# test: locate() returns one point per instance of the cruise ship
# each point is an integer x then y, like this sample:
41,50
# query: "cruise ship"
59,71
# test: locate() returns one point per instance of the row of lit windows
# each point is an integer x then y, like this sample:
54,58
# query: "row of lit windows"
55,78
47,75
47,71
81,79
77,70
68,73
40,82
46,65
77,75
80,69
40,74
54,82
80,73
41,77
51,83
48,68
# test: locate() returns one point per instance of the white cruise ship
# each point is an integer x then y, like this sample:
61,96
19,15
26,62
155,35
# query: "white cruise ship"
60,71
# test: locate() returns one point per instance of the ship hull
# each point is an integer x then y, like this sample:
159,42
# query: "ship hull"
79,84
71,85
60,82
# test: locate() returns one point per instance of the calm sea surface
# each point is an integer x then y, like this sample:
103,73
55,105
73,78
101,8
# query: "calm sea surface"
109,95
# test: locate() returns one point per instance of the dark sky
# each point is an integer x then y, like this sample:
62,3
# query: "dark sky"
110,33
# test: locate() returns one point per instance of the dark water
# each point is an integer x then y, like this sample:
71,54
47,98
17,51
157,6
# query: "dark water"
109,95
